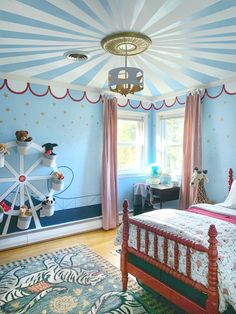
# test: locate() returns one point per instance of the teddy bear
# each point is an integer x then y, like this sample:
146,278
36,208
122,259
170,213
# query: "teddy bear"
22,136
57,175
4,149
48,200
49,148
24,211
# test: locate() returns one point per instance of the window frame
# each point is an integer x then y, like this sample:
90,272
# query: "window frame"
162,115
134,116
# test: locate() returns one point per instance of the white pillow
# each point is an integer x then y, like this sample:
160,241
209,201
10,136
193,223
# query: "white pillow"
231,198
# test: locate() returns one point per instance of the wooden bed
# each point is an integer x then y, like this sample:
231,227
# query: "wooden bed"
128,267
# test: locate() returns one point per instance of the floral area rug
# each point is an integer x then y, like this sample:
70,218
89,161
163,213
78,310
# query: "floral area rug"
71,281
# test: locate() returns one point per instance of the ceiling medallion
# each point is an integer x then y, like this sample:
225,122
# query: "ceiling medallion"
126,80
136,43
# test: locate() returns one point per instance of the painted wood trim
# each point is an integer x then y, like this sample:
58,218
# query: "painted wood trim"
172,295
49,233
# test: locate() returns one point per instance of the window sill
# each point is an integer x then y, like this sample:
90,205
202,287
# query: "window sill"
125,175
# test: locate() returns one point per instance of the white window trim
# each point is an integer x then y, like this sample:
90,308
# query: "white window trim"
173,113
130,115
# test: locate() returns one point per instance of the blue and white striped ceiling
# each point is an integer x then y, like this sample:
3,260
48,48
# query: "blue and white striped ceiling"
193,42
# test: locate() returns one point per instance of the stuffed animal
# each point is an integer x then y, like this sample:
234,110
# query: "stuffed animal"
4,207
22,136
24,211
48,201
57,175
4,149
49,148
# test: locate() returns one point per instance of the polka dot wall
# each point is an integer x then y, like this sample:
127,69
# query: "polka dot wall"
218,142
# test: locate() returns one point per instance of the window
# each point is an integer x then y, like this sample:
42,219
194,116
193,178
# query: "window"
170,141
131,142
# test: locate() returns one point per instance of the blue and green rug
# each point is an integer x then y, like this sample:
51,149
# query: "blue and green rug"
71,281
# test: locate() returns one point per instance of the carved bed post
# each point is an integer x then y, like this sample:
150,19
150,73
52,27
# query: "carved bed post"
230,177
124,255
212,295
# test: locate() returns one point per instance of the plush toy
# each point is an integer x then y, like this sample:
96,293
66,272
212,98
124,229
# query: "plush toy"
4,207
24,211
48,200
4,149
22,136
57,175
49,148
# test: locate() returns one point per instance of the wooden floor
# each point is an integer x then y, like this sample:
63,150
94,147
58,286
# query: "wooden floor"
100,241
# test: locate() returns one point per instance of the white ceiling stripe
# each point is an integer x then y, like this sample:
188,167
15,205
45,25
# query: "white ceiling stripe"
218,39
100,77
31,49
28,58
28,11
185,8
146,14
99,10
161,85
133,10
39,42
146,90
82,69
16,27
182,46
215,31
75,11
118,16
211,45
160,63
38,69
210,55
183,40
160,12
226,14
191,65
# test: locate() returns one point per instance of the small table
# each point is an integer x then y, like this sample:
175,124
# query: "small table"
164,193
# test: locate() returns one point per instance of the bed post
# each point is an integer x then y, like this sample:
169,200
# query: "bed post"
212,295
230,177
124,255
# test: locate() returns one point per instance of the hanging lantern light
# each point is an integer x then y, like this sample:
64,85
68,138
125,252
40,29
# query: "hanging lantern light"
126,80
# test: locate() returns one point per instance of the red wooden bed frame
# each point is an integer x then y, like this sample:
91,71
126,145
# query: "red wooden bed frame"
175,297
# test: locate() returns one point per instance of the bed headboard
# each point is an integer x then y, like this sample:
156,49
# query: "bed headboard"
230,177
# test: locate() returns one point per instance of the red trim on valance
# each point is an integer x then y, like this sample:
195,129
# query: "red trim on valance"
128,102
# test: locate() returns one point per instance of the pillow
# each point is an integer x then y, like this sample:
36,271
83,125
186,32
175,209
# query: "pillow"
231,198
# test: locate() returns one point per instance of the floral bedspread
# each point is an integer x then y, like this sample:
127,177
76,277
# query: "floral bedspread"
194,227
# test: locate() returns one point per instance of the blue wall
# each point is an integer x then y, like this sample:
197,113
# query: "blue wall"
218,141
77,129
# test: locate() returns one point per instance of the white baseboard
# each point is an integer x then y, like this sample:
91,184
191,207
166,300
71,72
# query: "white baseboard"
49,233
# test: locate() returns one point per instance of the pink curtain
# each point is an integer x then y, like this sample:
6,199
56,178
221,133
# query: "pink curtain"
191,147
109,165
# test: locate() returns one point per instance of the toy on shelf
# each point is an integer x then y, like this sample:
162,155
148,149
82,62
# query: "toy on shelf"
3,151
49,157
23,141
24,218
154,172
3,209
57,181
48,205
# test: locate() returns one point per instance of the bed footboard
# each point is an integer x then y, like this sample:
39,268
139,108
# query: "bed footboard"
175,297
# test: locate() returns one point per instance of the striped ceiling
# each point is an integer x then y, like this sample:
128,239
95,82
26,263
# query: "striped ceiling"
193,42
